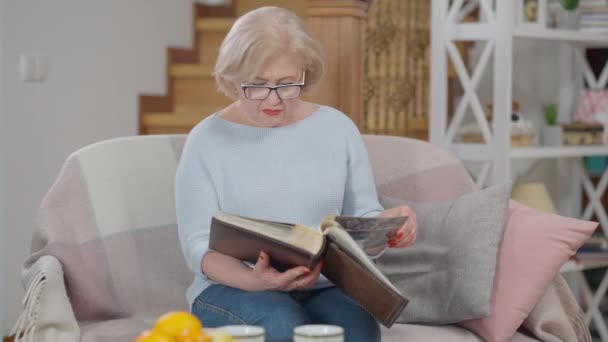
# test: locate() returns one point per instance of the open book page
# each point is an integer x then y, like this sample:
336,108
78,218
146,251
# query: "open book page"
370,233
300,236
347,242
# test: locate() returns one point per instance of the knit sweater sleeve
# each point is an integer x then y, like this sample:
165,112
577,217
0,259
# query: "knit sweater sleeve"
196,203
360,196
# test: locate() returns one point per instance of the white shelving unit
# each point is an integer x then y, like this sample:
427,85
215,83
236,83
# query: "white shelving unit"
498,27
560,35
558,152
480,152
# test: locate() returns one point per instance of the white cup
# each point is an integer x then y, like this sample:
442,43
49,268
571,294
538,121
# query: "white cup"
318,333
245,333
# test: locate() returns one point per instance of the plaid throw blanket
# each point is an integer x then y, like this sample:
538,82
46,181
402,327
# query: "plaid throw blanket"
109,220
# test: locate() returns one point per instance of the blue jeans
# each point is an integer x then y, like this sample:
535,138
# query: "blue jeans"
280,312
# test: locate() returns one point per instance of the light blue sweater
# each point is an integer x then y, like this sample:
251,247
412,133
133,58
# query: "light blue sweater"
296,173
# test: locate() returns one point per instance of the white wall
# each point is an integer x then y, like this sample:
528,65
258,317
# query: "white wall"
102,55
535,83
535,76
536,71
2,191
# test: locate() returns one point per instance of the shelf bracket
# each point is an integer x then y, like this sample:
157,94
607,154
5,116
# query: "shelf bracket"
595,196
470,91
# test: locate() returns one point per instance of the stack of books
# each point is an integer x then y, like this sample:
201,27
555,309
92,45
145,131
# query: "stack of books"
597,245
594,19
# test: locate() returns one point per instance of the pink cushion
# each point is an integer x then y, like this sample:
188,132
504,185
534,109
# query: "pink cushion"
535,245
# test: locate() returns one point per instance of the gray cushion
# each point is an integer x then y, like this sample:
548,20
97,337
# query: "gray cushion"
448,273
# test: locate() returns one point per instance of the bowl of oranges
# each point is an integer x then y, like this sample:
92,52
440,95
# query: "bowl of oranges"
181,326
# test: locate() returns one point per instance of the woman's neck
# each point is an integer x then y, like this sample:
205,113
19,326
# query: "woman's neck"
235,114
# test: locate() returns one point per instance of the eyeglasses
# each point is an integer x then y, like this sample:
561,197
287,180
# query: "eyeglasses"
284,91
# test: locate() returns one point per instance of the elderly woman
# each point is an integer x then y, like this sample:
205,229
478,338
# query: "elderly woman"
273,156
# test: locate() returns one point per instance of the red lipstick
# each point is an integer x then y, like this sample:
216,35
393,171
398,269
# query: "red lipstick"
272,112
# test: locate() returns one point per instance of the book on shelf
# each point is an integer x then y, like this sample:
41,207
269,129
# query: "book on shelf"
594,19
340,242
595,246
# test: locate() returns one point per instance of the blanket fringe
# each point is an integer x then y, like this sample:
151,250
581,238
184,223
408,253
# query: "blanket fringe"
26,324
582,331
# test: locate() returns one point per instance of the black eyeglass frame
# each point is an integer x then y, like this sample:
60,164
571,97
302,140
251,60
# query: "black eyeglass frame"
244,87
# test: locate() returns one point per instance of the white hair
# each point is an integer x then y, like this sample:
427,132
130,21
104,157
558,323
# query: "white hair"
259,36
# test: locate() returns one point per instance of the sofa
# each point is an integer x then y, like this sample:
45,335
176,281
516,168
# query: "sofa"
106,261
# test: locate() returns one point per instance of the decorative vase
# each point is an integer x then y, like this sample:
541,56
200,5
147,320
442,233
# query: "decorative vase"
552,135
569,19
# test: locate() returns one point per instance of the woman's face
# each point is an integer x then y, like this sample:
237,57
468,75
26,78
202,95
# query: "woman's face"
272,111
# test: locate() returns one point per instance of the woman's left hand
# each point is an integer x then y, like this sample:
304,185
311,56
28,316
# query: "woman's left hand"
406,235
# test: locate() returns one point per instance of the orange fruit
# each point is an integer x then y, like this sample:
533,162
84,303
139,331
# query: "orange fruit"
154,336
183,326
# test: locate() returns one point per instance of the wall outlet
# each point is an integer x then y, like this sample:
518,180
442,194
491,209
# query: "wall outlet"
33,68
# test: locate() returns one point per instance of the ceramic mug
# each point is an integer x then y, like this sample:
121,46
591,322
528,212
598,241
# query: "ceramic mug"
318,333
245,333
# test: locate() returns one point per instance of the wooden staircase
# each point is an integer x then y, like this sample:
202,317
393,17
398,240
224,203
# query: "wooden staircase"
191,91
339,26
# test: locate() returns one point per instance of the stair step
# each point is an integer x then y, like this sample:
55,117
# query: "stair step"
181,120
209,46
172,120
299,7
214,24
197,92
192,71
197,110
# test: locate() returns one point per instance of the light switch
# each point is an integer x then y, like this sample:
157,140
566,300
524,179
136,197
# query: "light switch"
33,68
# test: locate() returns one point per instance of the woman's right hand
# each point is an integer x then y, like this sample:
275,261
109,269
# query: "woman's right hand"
266,277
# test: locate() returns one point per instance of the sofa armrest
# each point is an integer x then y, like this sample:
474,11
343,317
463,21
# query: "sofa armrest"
47,314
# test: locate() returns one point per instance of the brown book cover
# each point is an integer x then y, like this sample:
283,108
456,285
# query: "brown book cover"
345,263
